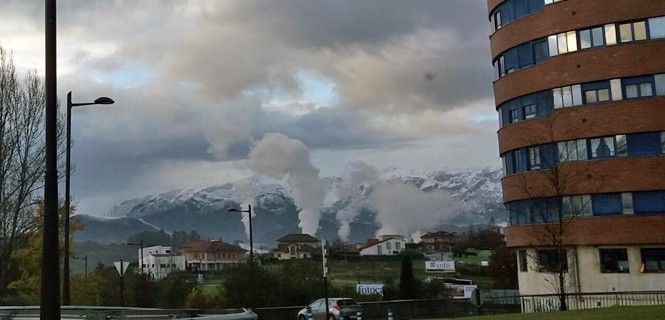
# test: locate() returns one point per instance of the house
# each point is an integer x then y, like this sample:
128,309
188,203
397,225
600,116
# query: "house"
441,241
212,255
296,246
387,245
159,261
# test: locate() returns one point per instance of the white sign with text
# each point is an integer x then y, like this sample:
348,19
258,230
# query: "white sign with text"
370,288
440,266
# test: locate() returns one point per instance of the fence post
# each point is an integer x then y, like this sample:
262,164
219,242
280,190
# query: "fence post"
309,313
390,315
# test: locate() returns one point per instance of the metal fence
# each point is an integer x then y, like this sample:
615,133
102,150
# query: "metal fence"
401,309
577,301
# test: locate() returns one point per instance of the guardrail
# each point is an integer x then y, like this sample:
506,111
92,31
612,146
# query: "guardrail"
104,313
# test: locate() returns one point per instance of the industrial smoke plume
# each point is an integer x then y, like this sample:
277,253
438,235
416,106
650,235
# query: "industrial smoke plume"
278,156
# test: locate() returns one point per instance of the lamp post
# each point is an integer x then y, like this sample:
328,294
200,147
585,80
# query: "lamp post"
251,247
49,303
251,240
70,105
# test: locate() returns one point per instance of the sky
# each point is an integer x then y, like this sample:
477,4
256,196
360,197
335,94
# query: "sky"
404,84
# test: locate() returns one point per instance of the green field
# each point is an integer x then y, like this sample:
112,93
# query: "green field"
614,313
343,273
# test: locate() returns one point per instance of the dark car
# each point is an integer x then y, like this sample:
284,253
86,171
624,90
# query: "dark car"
339,309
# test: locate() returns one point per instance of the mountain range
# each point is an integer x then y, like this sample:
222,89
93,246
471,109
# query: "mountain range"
205,210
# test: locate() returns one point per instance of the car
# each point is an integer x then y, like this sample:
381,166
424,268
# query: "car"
339,309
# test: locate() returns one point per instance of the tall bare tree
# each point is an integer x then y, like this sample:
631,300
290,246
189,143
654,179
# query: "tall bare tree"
553,205
22,104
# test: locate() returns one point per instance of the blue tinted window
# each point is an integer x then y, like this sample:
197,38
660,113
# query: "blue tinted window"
520,160
548,155
510,61
643,144
525,55
541,50
649,202
536,5
607,204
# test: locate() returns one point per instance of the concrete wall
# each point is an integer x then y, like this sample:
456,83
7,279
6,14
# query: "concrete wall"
590,277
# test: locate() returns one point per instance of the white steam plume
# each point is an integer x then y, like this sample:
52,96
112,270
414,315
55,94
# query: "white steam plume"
277,156
404,208
246,196
357,177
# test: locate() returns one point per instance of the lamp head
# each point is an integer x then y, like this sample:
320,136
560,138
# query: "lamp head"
104,100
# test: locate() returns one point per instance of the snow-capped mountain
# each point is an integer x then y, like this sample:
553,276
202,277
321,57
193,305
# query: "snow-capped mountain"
206,209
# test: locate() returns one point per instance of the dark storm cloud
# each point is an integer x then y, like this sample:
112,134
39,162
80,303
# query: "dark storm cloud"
192,79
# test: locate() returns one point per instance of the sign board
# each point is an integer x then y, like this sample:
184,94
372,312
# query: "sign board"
461,291
485,263
199,278
440,266
121,266
369,289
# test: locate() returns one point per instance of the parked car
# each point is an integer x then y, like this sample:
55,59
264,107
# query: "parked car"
339,309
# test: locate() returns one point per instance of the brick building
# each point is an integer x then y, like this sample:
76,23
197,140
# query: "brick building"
580,92
212,255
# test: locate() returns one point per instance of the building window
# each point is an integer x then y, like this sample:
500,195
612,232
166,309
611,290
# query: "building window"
642,144
649,202
627,201
398,246
521,254
657,28
653,259
534,158
596,92
602,147
575,206
638,87
621,145
567,96
632,31
515,115
607,204
591,38
572,150
389,246
610,34
613,260
530,111
551,260
662,142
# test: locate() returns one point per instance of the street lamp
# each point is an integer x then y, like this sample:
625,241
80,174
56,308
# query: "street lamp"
70,105
251,240
251,246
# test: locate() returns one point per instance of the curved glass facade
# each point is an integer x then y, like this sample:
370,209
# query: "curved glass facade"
511,10
543,103
548,210
548,155
539,50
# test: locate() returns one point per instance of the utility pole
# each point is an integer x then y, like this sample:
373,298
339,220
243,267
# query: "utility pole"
50,282
324,262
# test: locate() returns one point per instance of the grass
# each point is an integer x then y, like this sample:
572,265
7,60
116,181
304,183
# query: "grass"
483,255
382,270
613,313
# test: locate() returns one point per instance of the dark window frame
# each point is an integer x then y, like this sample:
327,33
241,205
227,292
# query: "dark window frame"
610,259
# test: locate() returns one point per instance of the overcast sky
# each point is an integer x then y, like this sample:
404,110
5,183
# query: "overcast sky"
405,84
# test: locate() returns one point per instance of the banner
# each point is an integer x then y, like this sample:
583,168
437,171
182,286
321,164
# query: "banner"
440,266
370,288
